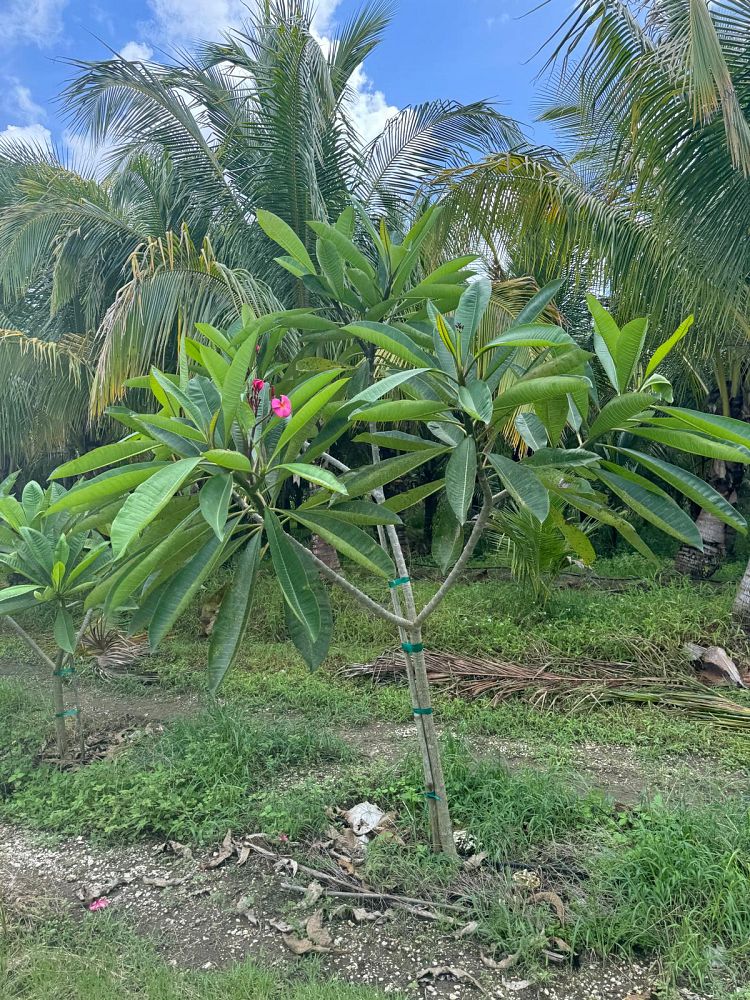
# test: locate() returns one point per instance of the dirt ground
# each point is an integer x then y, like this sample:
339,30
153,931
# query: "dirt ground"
191,915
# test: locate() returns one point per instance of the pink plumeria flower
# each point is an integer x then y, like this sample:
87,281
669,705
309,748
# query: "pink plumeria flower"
282,407
258,384
99,904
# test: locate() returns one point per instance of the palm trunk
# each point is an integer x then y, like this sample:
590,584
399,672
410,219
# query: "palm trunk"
325,552
701,565
713,532
741,607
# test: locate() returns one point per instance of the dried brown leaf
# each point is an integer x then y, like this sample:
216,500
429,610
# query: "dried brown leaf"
316,932
467,930
554,901
312,894
280,925
505,963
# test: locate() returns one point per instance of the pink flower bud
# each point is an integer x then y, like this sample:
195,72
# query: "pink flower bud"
258,384
282,407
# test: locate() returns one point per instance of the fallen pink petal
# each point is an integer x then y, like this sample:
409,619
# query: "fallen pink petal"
99,904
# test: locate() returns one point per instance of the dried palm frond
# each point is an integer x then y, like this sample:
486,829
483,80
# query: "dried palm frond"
113,651
594,682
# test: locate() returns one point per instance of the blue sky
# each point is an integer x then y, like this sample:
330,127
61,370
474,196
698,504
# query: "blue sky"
462,49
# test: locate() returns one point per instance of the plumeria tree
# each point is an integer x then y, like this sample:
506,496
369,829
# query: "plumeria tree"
207,475
57,558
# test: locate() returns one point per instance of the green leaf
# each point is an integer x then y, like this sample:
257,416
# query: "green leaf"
402,501
629,347
225,458
447,536
345,247
395,440
163,559
536,305
300,418
364,512
107,485
312,652
370,477
283,234
534,335
476,400
64,630
532,430
176,594
298,594
349,540
389,339
522,485
234,613
694,444
664,349
214,499
471,308
12,512
460,478
234,383
604,324
398,410
724,428
536,389
10,596
384,385
314,474
557,458
108,454
659,510
145,503
606,516
691,486
618,412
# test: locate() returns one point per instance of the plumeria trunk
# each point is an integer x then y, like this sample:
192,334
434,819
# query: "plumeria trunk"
741,608
58,700
435,792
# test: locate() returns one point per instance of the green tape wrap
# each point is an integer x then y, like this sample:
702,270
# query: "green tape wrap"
399,582
64,672
412,647
68,711
421,711
431,795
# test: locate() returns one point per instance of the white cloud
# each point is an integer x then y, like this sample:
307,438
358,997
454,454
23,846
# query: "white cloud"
36,135
136,52
20,104
369,107
37,21
181,21
324,11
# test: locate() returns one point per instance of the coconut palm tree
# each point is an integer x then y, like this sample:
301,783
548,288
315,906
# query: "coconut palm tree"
167,236
652,205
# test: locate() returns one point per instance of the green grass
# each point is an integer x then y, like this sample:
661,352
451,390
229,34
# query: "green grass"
221,769
99,959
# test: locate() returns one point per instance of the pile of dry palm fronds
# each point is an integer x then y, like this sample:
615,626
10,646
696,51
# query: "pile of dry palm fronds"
591,681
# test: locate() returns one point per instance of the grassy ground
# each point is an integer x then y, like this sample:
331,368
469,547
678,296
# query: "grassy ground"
100,959
667,876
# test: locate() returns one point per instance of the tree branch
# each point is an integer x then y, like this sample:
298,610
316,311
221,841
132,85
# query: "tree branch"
30,642
476,534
